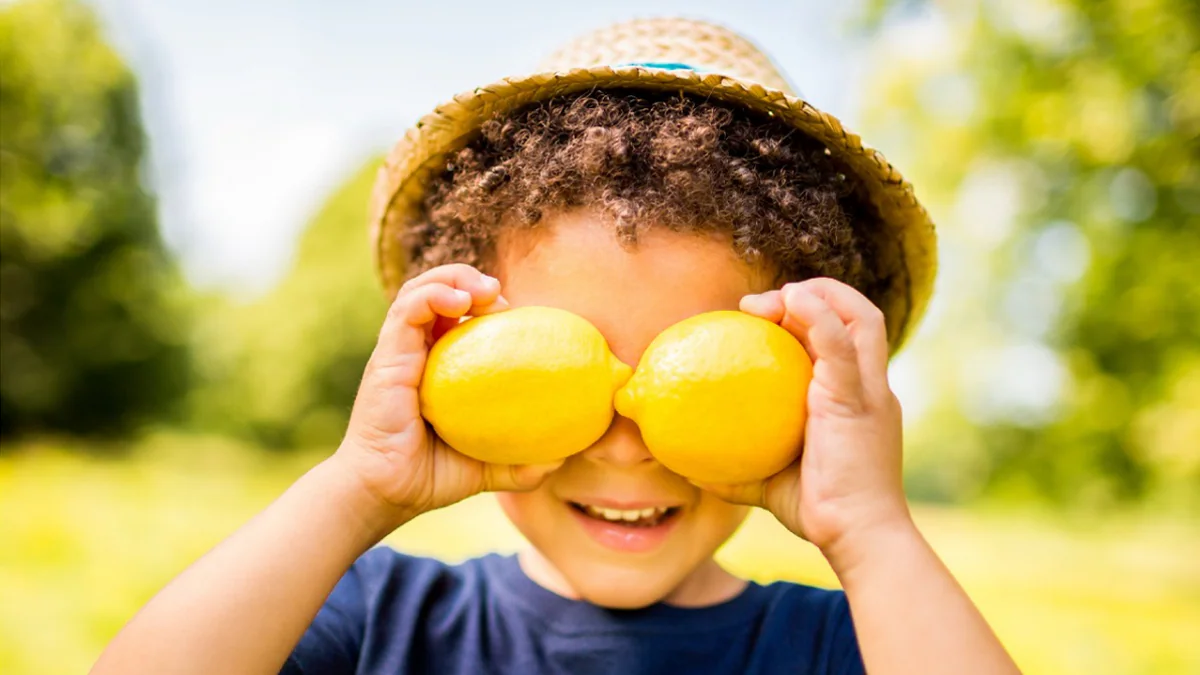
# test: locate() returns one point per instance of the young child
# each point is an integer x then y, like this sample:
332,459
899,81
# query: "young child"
654,170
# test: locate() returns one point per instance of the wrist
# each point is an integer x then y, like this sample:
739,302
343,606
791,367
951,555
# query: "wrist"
369,516
876,542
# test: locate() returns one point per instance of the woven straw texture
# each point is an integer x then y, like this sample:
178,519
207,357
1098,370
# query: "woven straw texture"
726,67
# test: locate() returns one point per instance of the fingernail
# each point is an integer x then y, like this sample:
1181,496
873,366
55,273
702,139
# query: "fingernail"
491,283
462,295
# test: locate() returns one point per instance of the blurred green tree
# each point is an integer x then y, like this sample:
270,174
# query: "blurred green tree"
1056,144
92,329
284,370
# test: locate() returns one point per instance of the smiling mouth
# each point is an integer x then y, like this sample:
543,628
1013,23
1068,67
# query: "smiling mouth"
648,517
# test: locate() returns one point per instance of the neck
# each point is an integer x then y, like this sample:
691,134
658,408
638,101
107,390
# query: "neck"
708,584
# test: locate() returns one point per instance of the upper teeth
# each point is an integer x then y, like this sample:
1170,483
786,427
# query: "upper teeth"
618,515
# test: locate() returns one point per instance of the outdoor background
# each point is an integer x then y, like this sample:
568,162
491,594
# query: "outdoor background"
187,299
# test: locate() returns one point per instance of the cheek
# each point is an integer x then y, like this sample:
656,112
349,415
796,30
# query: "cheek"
718,520
529,512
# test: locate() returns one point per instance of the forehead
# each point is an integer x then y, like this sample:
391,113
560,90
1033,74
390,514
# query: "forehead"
574,261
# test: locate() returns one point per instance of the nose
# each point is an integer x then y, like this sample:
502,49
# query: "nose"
620,446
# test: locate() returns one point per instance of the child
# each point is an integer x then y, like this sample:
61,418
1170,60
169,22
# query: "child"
658,171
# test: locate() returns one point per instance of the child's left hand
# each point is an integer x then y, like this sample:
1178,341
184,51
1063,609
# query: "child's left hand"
846,484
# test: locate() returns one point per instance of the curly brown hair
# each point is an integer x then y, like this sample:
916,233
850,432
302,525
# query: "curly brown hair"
648,159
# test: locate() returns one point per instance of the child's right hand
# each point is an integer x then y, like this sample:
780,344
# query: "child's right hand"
388,447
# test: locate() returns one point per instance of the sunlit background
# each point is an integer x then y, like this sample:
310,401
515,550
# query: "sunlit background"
187,298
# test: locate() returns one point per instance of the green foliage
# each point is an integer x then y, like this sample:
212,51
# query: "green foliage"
284,370
1056,143
91,329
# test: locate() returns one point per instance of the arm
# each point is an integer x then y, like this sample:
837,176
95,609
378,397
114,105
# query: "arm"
909,613
845,494
243,607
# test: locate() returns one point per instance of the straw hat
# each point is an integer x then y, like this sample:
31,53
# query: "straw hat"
656,54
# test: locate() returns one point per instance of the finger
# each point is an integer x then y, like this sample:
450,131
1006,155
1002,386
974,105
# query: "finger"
767,305
814,322
864,320
405,334
393,373
479,308
484,289
516,477
460,276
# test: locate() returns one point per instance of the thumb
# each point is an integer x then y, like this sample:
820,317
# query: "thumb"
750,494
516,477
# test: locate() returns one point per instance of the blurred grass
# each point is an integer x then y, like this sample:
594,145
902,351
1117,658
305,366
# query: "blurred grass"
85,541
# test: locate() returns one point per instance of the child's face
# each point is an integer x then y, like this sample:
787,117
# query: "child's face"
631,294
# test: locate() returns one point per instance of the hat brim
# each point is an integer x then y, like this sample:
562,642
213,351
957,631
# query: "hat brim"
402,181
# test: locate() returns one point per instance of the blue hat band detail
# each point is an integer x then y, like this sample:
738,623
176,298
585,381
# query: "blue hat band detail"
665,65
674,65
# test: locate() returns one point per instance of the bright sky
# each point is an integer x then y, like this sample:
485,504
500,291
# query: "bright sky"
255,110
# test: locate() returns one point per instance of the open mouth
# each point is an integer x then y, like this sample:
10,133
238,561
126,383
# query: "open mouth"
637,518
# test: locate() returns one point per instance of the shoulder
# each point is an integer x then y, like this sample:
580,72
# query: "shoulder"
812,621
789,597
385,575
386,609
817,609
383,562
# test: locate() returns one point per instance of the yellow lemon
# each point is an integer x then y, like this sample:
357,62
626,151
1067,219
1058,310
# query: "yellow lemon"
524,386
720,397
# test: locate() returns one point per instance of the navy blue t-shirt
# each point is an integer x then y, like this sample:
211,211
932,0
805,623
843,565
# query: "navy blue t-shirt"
399,614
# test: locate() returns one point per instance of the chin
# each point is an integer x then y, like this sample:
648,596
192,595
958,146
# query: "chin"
620,589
